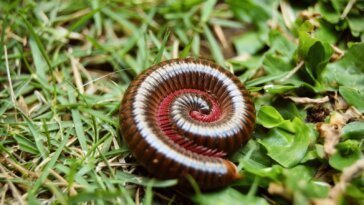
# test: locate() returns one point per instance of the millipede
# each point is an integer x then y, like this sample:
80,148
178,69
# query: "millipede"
184,117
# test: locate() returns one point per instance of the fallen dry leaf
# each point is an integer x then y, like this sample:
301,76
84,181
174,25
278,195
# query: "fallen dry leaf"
346,177
22,105
331,131
331,134
305,100
279,189
339,102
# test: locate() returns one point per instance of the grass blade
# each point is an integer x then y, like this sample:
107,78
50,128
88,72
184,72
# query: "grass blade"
161,50
37,138
49,166
76,117
215,48
38,42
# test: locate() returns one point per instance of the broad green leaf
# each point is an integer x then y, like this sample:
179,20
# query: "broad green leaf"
305,43
288,148
289,109
248,43
339,5
326,33
317,57
278,142
314,153
253,159
354,96
274,64
356,24
328,12
355,189
310,155
227,196
254,151
348,153
273,173
300,180
299,172
353,130
280,44
305,26
315,53
269,117
347,71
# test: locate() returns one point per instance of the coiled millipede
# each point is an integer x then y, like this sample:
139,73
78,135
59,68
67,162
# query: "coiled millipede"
182,116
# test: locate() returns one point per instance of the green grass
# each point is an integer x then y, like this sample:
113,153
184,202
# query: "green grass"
64,66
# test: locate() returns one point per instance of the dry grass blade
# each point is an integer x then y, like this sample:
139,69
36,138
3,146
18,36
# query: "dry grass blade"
13,189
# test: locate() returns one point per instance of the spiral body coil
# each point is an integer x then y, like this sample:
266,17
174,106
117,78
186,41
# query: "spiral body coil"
180,117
